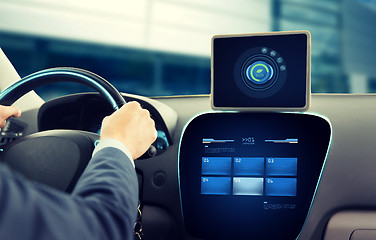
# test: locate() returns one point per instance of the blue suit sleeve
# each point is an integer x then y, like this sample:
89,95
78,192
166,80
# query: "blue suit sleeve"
103,204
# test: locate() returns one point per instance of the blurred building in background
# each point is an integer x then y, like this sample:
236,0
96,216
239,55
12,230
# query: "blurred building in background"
162,47
323,19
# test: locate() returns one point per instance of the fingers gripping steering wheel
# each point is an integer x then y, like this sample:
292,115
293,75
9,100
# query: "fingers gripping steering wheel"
55,157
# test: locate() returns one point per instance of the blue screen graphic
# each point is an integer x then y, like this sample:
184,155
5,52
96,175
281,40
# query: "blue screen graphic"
216,185
281,166
249,176
249,166
216,166
280,186
248,186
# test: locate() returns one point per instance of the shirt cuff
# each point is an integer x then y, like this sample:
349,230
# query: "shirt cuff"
110,142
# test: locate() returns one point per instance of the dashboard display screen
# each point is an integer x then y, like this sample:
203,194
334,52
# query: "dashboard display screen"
246,171
261,70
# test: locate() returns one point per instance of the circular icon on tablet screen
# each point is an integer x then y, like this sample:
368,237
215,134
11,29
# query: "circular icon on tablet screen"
260,72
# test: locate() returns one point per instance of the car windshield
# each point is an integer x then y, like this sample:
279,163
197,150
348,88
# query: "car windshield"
162,47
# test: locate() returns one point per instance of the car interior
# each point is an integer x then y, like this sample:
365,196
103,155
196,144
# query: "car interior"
277,143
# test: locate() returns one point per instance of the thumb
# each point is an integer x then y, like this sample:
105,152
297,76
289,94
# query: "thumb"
9,111
6,112
104,119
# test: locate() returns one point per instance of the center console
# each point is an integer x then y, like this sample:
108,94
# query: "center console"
250,175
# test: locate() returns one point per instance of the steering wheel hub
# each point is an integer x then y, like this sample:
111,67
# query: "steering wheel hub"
56,157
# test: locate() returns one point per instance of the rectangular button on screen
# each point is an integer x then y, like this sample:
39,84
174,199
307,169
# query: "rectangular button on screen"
280,186
281,166
248,166
216,185
216,166
248,186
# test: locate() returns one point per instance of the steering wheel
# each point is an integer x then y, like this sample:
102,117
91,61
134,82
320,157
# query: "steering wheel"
55,157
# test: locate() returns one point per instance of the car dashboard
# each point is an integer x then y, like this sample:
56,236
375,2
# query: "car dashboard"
344,192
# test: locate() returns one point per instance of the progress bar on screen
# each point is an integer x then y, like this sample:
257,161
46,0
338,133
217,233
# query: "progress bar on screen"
287,140
212,140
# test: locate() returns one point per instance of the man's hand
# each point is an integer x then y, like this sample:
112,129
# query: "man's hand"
132,126
7,112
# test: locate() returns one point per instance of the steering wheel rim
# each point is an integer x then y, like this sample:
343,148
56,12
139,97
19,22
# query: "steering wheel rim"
62,74
31,155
